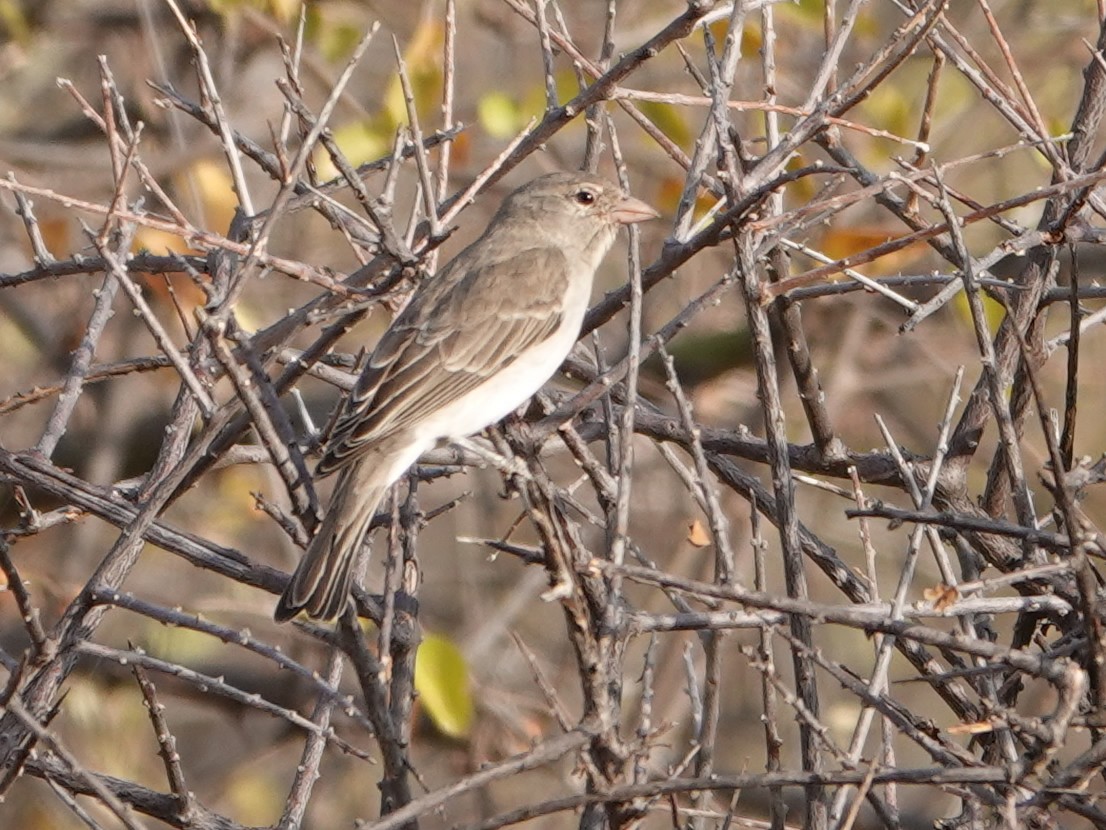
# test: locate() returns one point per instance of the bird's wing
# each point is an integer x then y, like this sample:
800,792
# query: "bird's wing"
445,343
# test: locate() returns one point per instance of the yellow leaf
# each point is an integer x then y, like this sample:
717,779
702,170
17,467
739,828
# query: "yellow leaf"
181,645
498,114
253,795
565,87
333,35
14,23
285,10
670,119
669,191
751,37
442,681
942,596
213,183
359,142
844,240
890,108
993,312
697,534
159,242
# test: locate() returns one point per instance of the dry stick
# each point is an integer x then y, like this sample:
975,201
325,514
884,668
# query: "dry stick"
1085,126
1048,668
933,776
811,394
143,262
58,421
709,620
593,144
1027,108
378,210
449,74
102,312
622,451
148,179
24,209
644,729
29,614
877,186
155,804
1086,577
166,746
248,267
1071,385
239,638
534,758
267,416
293,59
422,164
606,82
931,231
118,271
913,727
768,393
582,65
859,86
307,770
395,791
211,92
825,79
84,615
119,809
605,493
707,733
769,106
546,55
878,677
316,198
194,237
406,633
925,123
553,700
860,281
766,667
992,372
1004,738
704,490
784,487
706,145
842,576
584,597
208,684
1009,226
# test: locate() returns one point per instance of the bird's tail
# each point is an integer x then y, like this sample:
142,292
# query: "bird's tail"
321,584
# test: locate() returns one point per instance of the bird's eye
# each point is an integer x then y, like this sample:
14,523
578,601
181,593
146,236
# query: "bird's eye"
584,197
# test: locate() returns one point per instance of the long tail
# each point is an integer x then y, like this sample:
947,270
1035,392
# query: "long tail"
321,584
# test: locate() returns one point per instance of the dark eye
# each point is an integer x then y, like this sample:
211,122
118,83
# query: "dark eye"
584,197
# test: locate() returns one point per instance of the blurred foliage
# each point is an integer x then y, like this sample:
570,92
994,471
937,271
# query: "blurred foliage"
442,681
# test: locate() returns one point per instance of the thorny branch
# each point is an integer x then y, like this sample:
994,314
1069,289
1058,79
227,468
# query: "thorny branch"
688,521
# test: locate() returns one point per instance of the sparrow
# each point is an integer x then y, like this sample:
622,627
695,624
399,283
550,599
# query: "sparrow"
473,344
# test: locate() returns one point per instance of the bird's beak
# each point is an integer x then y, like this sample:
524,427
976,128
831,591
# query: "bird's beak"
630,210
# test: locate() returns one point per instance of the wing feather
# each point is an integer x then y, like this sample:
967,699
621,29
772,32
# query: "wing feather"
444,344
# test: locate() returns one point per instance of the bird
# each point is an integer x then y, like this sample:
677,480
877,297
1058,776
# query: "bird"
473,344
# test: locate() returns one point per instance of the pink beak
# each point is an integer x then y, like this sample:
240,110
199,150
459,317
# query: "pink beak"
630,210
